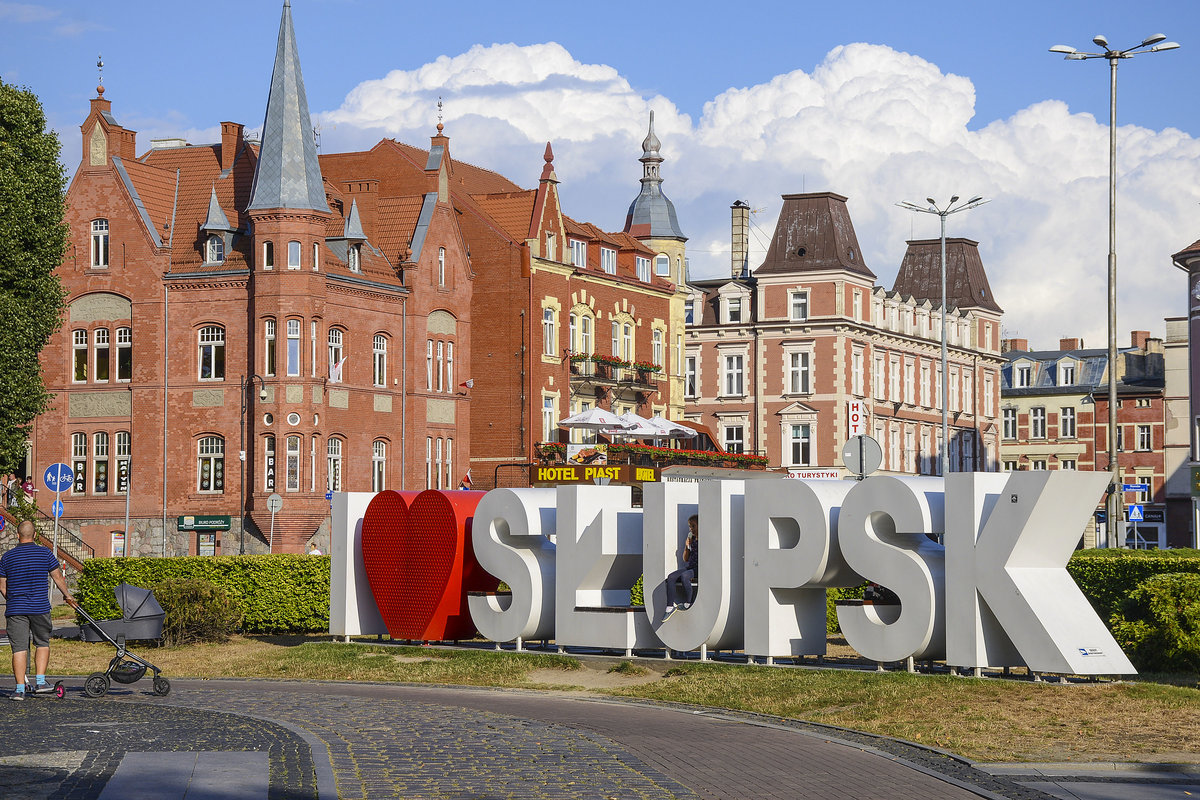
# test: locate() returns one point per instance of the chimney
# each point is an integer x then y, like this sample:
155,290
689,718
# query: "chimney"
1138,339
1070,344
1018,345
231,142
739,239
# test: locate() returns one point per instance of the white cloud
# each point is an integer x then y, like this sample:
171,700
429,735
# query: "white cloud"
868,122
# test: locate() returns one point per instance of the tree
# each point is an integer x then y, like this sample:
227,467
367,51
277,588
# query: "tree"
33,239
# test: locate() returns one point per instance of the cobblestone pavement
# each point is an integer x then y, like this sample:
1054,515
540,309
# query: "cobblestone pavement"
366,741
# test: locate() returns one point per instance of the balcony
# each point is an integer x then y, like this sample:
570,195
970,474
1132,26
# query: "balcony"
614,373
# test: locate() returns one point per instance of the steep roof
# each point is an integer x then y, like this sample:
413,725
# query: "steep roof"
967,286
511,211
288,174
814,232
652,214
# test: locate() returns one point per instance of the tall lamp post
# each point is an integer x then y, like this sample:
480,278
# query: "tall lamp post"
1151,44
247,383
949,209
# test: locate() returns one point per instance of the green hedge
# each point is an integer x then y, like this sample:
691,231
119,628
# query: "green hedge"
1107,577
276,592
1159,624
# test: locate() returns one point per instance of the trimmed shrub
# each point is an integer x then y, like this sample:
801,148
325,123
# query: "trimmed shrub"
196,611
1159,624
275,592
1106,577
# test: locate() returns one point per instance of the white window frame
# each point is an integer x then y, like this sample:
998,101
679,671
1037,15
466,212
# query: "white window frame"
335,341
585,334
733,310
1145,438
441,362
268,255
354,258
293,348
1067,427
804,440
733,437
1022,376
608,260
292,463
1037,422
79,353
441,266
549,332
691,376
429,364
379,360
1066,373
316,256
101,477
378,465
656,347
579,253
210,451
449,366
100,233
293,254
733,374
270,353
333,464
211,346
1008,424
101,355
798,305
214,249
662,265
798,379
643,268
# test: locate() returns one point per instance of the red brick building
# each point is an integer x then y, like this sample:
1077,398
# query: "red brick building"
229,290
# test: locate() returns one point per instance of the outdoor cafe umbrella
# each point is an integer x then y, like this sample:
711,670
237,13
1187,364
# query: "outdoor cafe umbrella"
636,427
593,419
671,429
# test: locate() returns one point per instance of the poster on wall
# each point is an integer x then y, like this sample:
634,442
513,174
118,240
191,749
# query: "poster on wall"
587,454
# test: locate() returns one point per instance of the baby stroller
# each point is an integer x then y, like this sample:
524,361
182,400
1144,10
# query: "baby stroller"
141,618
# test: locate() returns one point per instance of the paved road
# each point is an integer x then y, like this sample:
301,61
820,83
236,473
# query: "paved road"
293,740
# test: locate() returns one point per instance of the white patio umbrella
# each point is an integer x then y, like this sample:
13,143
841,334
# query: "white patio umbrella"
594,419
671,429
636,427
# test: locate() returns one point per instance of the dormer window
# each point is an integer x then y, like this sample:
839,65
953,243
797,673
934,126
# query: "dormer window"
551,251
1022,374
215,250
352,257
608,260
99,244
1066,374
579,253
662,266
733,308
643,269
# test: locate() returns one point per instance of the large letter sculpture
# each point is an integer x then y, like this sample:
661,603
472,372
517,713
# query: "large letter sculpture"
512,529
1008,591
792,556
882,530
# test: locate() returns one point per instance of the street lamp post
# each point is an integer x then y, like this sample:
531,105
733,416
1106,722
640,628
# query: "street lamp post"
950,208
1151,44
262,395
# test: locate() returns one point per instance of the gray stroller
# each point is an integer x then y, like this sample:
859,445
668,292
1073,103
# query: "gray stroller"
141,618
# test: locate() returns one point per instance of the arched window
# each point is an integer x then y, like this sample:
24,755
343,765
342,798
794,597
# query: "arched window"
335,354
99,244
269,347
124,354
449,366
316,256
657,348
585,334
378,466
215,251
573,332
293,463
79,339
210,469
100,463
441,266
212,353
353,257
293,255
379,353
662,265
333,474
102,350
549,335
79,451
293,347
268,255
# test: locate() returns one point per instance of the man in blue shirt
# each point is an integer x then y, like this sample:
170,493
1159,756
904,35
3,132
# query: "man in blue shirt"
23,572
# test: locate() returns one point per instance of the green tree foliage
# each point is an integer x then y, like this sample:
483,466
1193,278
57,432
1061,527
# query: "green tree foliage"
33,239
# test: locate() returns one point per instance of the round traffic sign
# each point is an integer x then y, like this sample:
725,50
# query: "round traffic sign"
862,455
274,502
58,477
57,508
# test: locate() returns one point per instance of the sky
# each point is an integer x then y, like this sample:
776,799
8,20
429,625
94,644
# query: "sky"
878,101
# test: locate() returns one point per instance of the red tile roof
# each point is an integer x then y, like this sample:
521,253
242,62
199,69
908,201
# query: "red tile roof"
511,211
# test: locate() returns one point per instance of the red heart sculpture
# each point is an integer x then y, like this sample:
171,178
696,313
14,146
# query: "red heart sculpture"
420,564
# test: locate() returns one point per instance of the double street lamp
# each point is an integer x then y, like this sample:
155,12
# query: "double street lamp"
950,208
247,383
1151,44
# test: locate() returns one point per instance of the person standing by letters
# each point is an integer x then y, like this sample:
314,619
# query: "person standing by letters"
680,591
23,572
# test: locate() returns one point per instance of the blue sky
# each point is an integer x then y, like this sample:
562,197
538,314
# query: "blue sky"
879,101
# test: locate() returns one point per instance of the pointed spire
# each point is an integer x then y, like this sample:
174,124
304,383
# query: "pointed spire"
288,173
216,219
353,228
651,144
652,215
548,170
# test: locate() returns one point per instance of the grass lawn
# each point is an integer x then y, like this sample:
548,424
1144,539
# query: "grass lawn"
982,719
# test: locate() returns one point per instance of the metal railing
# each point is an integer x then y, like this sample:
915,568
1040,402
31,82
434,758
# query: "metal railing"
68,542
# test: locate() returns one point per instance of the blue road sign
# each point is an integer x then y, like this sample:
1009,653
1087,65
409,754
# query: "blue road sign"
57,508
1135,487
3,522
1136,514
329,495
58,477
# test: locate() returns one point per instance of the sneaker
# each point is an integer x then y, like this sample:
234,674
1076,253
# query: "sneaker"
43,688
667,612
17,695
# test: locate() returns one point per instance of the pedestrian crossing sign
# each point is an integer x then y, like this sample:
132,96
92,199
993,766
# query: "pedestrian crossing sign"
1136,514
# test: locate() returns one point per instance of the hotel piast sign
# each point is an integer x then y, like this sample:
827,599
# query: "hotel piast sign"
582,473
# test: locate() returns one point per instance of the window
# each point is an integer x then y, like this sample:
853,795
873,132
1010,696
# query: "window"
316,256
1143,497
925,384
1066,423
441,266
989,402
1037,422
549,335
214,252
585,334
211,467
734,439
968,391
354,258
100,338
379,353
894,379
269,463
578,253
293,463
1067,463
1143,437
100,244
662,266
799,306
333,464
910,381
573,332
799,374
656,348
1021,376
449,464
429,364
616,338
689,312
801,445
734,383
1066,375
735,309
293,347
437,464
449,366
690,386
547,418
1120,437
123,451
212,353
378,466
79,448
1008,418
269,347
877,377
608,260
100,463
441,361
124,354
1039,463
643,269
1143,402
335,354
1010,466
627,342
268,255
312,349
293,255
551,252
79,340
856,373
